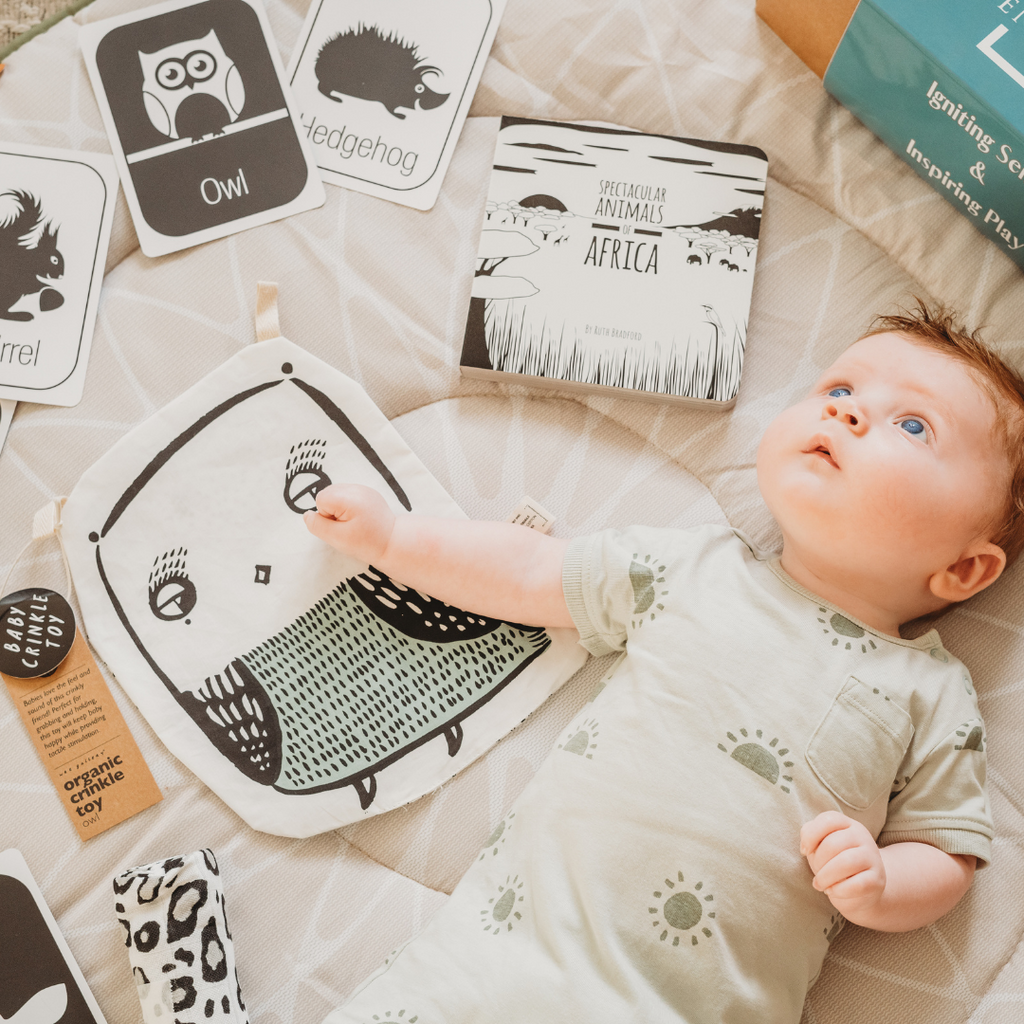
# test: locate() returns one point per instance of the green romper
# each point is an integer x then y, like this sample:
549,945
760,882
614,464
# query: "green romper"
651,871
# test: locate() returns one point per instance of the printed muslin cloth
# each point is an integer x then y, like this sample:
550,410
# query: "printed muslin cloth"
304,687
176,931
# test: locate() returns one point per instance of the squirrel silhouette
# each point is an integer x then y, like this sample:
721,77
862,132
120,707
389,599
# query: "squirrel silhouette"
22,265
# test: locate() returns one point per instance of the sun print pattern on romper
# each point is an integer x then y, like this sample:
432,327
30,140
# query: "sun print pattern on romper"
397,1018
678,914
497,838
844,633
579,740
759,758
971,737
645,578
834,927
503,910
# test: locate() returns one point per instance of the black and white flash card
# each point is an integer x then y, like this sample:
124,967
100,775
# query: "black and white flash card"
40,982
199,119
384,86
56,209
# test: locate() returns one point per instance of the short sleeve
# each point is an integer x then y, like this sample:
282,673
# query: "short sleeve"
944,803
615,579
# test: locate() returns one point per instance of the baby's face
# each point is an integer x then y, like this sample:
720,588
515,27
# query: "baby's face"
893,460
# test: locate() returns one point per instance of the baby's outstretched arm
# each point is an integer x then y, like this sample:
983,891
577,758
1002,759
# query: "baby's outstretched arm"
894,889
496,569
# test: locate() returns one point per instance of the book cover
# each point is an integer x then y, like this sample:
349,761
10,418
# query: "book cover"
616,261
941,84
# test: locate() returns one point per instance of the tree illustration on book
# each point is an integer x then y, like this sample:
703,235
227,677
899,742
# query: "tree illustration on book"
496,246
629,265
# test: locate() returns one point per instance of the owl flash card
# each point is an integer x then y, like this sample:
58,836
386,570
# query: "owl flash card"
56,210
40,982
200,122
383,89
306,689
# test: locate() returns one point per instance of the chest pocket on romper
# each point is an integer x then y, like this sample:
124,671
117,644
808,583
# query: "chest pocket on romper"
859,745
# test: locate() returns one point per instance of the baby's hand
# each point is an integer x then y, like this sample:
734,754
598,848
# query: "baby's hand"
354,519
846,862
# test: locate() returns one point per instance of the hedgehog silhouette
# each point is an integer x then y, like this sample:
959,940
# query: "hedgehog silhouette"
24,265
364,63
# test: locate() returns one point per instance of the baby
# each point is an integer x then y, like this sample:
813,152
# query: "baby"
769,756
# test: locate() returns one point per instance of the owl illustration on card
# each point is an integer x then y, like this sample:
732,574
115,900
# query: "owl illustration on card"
191,89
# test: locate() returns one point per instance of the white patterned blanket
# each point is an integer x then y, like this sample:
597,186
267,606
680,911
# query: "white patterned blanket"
381,292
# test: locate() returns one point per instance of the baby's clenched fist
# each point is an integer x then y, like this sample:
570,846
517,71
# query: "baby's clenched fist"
354,519
845,860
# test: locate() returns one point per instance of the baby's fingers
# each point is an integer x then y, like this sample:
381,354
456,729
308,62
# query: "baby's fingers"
338,500
843,869
319,525
815,831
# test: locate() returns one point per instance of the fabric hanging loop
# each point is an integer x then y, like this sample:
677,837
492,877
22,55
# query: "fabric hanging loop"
267,324
45,523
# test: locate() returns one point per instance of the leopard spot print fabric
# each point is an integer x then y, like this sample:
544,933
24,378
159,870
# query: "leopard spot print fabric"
180,949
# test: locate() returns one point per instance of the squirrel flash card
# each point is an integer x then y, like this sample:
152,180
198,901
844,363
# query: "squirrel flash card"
383,89
56,209
201,125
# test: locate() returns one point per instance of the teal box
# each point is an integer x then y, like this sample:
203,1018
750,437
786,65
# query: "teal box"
941,82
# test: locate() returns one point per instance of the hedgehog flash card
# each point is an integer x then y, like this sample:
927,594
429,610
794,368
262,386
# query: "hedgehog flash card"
383,89
307,690
202,128
56,210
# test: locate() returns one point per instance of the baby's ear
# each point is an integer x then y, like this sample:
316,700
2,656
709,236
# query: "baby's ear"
981,564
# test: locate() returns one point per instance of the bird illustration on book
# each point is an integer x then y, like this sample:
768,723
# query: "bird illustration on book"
364,63
305,674
29,257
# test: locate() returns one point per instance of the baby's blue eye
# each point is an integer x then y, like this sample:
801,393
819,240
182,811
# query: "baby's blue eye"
839,393
913,426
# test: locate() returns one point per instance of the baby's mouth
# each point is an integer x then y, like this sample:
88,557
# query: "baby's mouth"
821,450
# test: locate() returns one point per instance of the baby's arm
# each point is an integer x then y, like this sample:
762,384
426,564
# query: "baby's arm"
495,569
895,889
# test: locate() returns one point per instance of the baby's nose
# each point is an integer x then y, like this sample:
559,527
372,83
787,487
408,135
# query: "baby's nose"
846,412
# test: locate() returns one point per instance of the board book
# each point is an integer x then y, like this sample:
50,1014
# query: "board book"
615,261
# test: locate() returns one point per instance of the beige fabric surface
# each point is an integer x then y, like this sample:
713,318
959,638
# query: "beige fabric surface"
381,292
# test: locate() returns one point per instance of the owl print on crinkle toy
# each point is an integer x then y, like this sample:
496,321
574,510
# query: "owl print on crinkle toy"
305,688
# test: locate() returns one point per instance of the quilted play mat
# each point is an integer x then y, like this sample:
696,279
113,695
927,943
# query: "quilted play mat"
379,292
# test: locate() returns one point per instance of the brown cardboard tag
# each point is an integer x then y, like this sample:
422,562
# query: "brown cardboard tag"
84,743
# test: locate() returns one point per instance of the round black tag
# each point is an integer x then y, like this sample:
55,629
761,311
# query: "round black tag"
37,629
